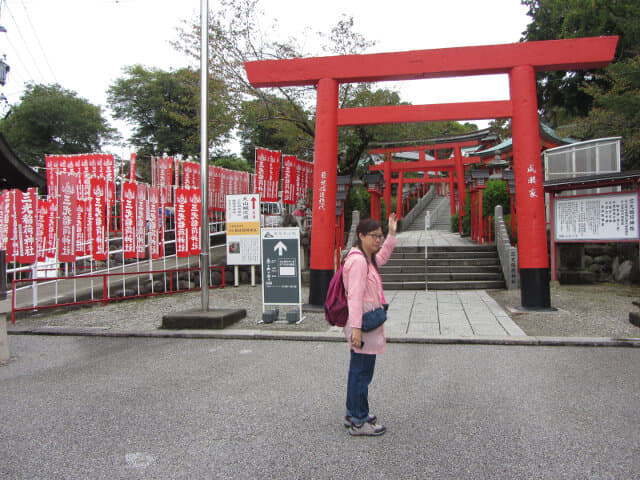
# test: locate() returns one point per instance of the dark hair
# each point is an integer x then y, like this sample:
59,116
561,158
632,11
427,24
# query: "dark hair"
366,226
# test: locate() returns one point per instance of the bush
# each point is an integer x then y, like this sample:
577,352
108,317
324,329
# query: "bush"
495,193
455,223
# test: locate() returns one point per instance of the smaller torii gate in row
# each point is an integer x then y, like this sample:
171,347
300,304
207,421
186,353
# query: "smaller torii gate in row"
454,164
520,61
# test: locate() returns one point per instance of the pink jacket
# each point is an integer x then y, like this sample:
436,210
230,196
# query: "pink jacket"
363,286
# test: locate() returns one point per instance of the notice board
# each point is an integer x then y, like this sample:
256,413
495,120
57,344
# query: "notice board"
243,229
280,266
607,217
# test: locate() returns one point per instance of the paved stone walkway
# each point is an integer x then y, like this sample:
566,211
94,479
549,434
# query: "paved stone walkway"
432,238
448,314
464,313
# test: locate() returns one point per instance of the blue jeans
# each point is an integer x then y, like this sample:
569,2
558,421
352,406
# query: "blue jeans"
360,374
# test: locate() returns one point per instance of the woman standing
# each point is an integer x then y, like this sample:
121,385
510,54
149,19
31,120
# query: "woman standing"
363,287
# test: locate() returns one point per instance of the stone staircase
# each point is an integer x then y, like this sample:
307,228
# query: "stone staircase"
473,267
440,215
405,270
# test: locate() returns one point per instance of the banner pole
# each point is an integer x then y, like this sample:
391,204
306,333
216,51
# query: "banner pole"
204,205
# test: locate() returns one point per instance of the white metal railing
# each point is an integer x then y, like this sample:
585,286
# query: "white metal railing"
85,265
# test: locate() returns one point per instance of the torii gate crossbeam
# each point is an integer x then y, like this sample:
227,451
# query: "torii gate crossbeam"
520,61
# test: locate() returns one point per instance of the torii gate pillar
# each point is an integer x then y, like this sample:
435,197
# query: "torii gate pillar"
532,237
324,191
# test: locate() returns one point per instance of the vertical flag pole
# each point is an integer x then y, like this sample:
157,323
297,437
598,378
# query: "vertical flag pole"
204,205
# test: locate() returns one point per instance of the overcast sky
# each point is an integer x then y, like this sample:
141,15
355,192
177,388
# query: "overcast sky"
84,44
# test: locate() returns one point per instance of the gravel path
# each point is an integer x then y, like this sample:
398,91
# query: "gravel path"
146,313
599,310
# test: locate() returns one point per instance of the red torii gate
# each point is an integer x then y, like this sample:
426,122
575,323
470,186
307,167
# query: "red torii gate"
450,165
520,61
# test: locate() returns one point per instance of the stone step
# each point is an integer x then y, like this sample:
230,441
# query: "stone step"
400,277
462,248
467,285
441,262
404,285
408,255
463,276
406,249
401,269
405,261
480,254
464,269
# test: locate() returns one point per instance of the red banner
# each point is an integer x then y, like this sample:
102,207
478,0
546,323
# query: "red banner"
66,217
156,222
13,245
51,174
51,229
25,208
141,219
274,178
108,171
195,202
132,168
165,174
80,218
267,177
289,177
308,179
262,170
218,202
93,167
190,175
98,224
182,222
42,220
128,207
5,204
210,190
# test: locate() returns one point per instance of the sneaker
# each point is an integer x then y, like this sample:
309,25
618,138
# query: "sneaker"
348,423
367,429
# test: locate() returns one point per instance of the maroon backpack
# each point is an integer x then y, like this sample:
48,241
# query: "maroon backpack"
336,310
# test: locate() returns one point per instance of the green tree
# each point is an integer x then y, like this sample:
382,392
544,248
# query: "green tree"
233,163
52,120
261,126
236,37
164,109
616,110
562,96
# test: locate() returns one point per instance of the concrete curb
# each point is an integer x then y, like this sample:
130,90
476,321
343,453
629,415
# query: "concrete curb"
327,337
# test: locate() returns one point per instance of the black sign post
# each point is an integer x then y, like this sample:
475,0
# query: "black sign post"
281,267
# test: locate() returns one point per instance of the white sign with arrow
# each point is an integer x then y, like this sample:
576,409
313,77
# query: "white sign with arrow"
280,247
